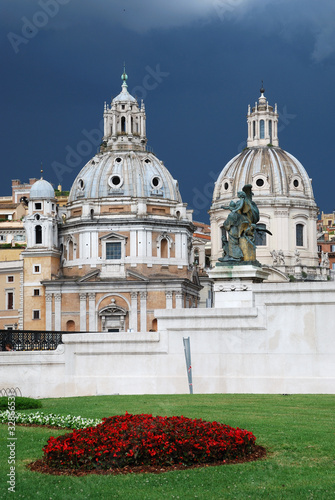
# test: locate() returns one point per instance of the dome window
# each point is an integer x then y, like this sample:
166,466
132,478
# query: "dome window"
226,186
118,159
147,160
115,181
296,183
260,182
156,182
81,184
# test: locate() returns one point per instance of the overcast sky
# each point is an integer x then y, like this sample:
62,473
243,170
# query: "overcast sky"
196,63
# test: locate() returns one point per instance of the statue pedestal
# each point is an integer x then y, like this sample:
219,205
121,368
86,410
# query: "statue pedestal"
233,284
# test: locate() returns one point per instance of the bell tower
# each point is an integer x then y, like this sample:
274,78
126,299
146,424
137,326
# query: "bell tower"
41,259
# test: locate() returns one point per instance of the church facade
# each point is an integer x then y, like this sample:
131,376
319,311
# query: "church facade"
123,245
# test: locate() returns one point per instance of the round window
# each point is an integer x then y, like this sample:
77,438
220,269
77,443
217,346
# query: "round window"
115,181
260,182
118,159
226,186
147,160
156,182
296,183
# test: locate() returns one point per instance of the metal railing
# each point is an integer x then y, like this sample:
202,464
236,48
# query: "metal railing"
29,340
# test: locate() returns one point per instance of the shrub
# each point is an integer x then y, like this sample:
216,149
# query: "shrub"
21,403
130,440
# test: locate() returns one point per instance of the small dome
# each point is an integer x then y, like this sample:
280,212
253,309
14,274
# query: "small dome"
271,171
124,96
137,174
41,189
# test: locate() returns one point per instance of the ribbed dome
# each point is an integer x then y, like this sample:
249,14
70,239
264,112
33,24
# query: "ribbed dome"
271,171
124,173
41,189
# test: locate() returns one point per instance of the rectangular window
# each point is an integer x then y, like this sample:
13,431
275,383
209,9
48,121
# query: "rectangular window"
37,269
36,292
2,238
332,248
10,300
319,248
113,250
10,279
38,206
333,265
299,228
36,314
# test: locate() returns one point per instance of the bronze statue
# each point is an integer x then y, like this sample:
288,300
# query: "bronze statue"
241,226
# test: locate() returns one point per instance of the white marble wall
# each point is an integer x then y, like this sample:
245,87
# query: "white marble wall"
283,343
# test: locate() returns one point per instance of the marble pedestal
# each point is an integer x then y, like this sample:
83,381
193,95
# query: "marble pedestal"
233,284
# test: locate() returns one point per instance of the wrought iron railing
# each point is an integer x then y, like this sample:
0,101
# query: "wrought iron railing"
29,340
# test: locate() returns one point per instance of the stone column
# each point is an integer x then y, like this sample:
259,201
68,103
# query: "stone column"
179,300
143,297
133,312
91,312
83,325
48,311
168,299
58,312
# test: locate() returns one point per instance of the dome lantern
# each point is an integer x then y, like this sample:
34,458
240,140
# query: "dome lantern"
262,123
124,122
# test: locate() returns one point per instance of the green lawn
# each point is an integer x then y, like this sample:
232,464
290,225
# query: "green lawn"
298,432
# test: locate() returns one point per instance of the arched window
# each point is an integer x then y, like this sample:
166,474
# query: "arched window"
123,124
164,248
131,125
38,235
254,129
299,235
260,238
270,130
261,129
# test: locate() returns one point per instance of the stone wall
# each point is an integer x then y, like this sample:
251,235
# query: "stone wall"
283,343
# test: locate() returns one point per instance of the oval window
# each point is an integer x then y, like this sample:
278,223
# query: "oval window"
81,183
260,182
118,159
226,186
296,183
156,182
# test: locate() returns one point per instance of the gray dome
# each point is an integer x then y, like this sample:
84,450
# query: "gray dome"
41,189
124,173
271,171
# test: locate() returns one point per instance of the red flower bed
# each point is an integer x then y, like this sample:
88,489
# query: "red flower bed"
131,440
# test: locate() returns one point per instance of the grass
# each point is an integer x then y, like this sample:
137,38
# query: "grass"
297,430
